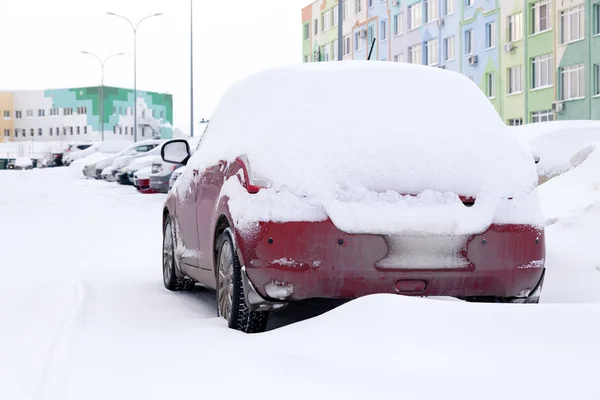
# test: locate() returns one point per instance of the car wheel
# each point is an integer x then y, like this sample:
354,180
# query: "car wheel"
170,278
231,303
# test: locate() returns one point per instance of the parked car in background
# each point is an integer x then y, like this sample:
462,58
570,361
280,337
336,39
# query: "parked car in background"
143,146
105,147
305,205
160,177
141,180
141,163
23,163
57,158
162,171
176,174
118,167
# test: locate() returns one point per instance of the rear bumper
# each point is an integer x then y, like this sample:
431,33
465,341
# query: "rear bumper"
302,260
159,183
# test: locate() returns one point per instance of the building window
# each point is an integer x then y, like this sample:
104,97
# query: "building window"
490,85
449,48
54,112
515,122
346,4
399,57
596,72
30,113
85,130
469,42
81,110
71,130
335,45
370,3
347,45
315,26
335,16
383,34
540,17
68,111
431,52
6,114
596,19
469,3
306,31
414,54
120,130
18,114
414,16
573,82
541,71
542,116
515,27
490,35
7,133
39,131
78,130
448,7
57,131
515,79
17,133
41,113
431,10
325,52
359,6
50,131
64,131
572,24
31,132
326,21
397,24
358,43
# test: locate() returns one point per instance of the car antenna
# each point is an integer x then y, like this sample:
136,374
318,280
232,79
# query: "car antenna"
371,51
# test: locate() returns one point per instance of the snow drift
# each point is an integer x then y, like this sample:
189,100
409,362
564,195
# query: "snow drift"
354,160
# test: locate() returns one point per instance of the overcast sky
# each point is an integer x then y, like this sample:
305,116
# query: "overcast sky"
42,42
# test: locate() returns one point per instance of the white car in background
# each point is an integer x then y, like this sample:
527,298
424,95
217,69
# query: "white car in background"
96,170
106,147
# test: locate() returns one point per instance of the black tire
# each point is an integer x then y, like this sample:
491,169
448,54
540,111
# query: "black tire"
170,278
239,316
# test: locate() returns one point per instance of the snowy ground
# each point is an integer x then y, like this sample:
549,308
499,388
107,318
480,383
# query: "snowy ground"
84,315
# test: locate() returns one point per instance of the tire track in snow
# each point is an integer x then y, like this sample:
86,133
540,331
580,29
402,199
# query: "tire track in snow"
78,304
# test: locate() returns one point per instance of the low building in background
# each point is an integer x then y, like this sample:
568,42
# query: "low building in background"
535,60
81,114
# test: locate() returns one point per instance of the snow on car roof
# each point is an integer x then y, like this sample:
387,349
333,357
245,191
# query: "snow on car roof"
349,131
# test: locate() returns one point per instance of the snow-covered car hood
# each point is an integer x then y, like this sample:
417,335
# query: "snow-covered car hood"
143,162
322,153
143,173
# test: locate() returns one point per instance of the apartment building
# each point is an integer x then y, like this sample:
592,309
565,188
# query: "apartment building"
536,60
82,114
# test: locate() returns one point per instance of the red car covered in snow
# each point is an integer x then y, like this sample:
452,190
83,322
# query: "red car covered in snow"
297,190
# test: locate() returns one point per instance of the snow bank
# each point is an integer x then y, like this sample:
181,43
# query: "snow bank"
571,205
555,143
354,159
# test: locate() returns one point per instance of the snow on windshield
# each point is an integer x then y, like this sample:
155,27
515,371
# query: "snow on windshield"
355,136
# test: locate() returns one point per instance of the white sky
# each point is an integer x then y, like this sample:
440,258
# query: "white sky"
42,42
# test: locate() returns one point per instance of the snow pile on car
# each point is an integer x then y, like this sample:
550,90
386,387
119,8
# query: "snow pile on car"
571,204
431,133
23,162
555,143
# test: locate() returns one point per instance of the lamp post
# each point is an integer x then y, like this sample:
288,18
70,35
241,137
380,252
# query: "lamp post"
191,69
134,27
101,94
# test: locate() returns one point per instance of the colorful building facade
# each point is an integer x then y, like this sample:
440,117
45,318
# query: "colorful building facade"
536,60
81,114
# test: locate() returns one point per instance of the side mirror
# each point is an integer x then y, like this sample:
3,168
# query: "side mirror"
176,152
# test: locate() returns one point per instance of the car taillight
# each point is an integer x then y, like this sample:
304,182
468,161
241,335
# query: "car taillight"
173,168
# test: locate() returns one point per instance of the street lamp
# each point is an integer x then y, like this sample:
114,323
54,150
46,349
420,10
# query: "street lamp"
135,28
101,94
